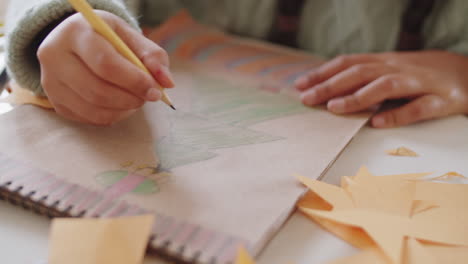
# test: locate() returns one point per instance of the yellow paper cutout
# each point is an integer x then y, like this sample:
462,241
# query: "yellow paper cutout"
367,195
402,151
447,254
443,194
362,175
390,209
243,257
421,206
368,256
353,235
97,241
450,175
408,176
416,253
334,195
376,224
21,96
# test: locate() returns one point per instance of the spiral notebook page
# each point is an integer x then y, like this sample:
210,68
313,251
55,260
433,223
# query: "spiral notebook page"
217,172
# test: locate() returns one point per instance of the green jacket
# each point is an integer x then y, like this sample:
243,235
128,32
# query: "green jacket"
327,27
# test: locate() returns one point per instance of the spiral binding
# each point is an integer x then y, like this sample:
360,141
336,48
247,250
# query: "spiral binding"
43,193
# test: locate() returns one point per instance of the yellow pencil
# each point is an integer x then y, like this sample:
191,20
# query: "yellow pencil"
106,31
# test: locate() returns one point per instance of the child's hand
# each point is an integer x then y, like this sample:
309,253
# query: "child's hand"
435,81
87,80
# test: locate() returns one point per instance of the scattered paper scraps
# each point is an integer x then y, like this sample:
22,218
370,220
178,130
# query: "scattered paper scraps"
450,176
402,151
393,219
96,241
21,96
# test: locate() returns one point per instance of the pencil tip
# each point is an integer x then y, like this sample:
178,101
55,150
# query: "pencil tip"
173,107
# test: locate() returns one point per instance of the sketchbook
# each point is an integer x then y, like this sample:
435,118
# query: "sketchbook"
217,173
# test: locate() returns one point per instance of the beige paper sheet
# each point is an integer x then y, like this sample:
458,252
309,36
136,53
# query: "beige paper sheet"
236,177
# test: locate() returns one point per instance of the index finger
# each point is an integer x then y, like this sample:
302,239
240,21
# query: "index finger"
331,68
104,60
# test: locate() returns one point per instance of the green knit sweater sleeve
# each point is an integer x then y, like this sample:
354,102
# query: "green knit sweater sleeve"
29,21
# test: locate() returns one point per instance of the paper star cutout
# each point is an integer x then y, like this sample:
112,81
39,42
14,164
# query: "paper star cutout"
389,210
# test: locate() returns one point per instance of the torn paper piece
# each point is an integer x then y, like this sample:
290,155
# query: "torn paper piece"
96,241
447,254
421,206
21,96
402,151
450,176
334,195
415,253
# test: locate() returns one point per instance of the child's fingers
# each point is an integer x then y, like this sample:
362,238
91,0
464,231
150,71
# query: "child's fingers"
69,105
104,60
65,96
422,108
345,82
331,68
153,57
390,86
95,90
67,113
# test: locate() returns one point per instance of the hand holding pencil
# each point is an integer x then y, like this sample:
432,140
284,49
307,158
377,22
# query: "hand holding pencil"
89,79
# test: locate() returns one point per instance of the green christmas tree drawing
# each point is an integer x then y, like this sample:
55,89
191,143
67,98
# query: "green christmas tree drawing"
220,118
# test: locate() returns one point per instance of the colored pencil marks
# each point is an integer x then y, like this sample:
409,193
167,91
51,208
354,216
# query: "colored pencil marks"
141,180
221,116
222,113
184,38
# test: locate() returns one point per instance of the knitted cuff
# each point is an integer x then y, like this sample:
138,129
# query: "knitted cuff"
22,40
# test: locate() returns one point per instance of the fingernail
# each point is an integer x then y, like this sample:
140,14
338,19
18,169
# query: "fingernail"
153,94
378,121
309,98
336,105
170,79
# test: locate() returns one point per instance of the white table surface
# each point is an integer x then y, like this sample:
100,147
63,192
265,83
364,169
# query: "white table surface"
442,144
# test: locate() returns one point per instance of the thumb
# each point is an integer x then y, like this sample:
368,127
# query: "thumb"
152,55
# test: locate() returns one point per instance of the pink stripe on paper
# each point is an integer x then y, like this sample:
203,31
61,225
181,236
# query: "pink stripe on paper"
202,239
90,199
168,232
58,195
124,186
73,198
184,234
29,187
129,211
52,187
212,249
134,210
181,238
101,207
118,210
160,224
